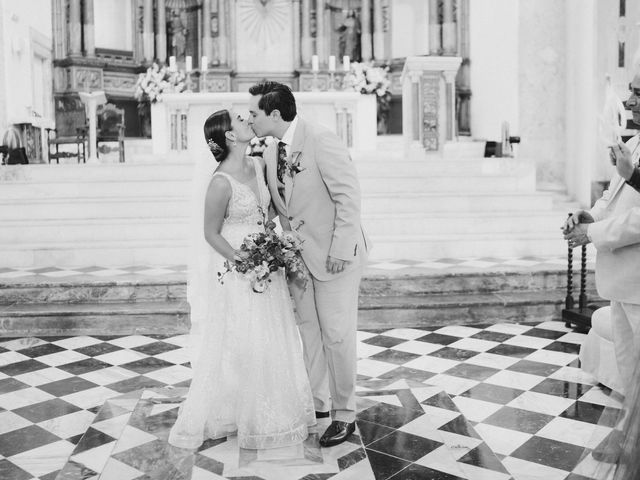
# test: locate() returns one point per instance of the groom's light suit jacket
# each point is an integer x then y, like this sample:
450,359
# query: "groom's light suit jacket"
616,236
322,201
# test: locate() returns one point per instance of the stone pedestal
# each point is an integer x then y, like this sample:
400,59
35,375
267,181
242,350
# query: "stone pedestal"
91,101
428,102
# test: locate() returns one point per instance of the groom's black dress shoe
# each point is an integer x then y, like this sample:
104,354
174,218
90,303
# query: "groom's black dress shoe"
322,414
337,433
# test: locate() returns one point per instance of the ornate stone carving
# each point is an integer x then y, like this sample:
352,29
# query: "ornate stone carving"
263,20
122,83
307,82
430,109
86,79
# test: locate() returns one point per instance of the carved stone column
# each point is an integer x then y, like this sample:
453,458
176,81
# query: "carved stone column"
59,29
295,12
320,31
75,28
223,32
378,31
365,39
229,32
207,40
449,29
435,33
89,29
147,30
161,31
305,45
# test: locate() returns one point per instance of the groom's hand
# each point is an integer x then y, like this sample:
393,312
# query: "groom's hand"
335,265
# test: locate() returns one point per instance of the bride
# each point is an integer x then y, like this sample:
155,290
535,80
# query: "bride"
249,377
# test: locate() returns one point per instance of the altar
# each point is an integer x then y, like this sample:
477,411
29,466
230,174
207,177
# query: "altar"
177,120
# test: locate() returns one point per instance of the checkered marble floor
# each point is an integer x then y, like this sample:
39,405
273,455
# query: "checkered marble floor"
402,266
495,402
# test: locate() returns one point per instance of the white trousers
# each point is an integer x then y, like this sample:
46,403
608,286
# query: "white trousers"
327,316
625,323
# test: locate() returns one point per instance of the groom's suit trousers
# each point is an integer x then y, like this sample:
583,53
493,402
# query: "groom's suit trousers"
327,315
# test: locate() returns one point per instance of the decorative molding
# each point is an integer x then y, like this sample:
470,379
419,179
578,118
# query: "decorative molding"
430,109
216,83
83,79
117,83
263,20
396,83
307,82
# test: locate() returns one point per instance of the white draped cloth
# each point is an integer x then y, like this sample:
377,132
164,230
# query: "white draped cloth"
249,377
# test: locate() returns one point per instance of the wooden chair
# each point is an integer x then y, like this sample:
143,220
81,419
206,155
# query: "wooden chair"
71,129
110,129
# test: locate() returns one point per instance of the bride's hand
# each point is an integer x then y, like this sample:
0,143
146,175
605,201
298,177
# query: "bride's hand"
240,256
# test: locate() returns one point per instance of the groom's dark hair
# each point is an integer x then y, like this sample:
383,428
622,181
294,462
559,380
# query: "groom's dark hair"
275,96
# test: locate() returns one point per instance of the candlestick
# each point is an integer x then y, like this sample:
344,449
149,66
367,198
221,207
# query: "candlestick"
204,63
346,63
332,63
315,66
188,64
172,63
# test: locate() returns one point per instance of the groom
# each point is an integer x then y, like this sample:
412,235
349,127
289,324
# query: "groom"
315,191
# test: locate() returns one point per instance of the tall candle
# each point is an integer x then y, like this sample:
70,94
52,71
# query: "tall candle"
346,63
188,64
172,63
332,63
204,63
315,63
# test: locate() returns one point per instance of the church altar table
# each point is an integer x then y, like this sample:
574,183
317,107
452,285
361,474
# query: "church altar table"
177,120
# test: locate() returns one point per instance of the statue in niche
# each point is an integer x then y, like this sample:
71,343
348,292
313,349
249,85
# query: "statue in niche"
177,32
349,41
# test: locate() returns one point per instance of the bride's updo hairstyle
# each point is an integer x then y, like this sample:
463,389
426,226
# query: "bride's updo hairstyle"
215,127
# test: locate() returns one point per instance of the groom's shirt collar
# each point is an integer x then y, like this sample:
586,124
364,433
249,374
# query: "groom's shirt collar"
288,135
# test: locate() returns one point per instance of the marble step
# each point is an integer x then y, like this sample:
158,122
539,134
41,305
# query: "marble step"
144,188
105,253
156,252
93,229
175,228
76,208
178,205
368,164
452,223
373,312
80,319
468,245
459,167
172,287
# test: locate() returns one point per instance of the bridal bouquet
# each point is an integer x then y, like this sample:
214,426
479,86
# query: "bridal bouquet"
266,252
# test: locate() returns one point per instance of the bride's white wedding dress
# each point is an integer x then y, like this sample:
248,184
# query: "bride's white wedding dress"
248,371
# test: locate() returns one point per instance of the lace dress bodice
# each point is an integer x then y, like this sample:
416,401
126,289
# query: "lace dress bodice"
245,211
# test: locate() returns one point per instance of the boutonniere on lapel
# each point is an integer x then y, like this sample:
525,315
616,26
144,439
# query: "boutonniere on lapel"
293,168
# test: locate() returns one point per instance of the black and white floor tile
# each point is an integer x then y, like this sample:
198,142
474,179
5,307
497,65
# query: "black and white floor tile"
495,402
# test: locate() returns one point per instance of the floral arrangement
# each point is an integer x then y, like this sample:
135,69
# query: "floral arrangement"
292,168
367,79
267,252
158,80
370,80
258,145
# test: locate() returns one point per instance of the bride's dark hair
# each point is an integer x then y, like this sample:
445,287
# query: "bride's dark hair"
215,127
